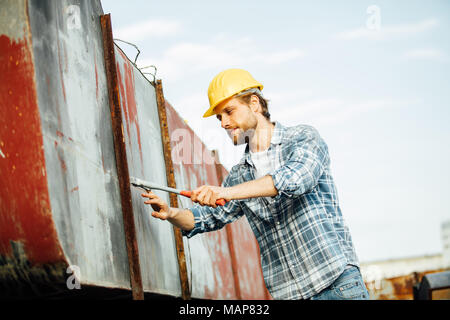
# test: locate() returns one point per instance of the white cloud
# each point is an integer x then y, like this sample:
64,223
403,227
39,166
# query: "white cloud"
148,29
425,54
186,58
330,111
386,32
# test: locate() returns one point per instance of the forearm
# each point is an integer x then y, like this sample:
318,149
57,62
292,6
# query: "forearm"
262,187
182,218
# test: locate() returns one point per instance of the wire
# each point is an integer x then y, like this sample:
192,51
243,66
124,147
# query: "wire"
133,45
152,74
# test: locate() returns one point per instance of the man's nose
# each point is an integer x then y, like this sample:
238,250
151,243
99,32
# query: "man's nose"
225,123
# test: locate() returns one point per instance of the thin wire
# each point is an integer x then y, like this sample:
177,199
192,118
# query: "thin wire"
152,74
135,46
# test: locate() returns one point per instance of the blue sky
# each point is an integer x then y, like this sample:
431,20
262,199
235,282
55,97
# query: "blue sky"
376,89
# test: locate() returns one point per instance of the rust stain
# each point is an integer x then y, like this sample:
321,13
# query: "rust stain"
196,173
28,221
127,91
61,71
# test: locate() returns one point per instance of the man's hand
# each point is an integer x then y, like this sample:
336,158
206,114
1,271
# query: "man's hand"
162,210
208,195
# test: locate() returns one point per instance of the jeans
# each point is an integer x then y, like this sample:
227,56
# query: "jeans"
348,286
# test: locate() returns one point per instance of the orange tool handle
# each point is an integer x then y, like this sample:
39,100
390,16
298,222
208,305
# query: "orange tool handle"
219,202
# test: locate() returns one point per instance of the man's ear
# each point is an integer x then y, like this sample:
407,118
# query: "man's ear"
254,104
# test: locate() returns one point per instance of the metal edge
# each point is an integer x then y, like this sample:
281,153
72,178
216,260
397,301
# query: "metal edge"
121,159
184,280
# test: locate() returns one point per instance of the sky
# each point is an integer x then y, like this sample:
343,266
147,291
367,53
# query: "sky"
373,77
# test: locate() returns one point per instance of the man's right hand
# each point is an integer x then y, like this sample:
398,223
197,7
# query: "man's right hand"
162,210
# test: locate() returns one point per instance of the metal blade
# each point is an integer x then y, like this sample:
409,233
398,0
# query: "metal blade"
147,185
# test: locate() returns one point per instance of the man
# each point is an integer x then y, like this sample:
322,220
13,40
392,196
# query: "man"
284,187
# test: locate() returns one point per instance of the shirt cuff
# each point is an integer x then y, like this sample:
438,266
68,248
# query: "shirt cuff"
197,223
279,183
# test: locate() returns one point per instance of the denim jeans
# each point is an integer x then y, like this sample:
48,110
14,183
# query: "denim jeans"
348,286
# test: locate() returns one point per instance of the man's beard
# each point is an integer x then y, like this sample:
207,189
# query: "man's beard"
242,137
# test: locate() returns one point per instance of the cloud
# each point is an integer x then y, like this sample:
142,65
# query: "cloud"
387,32
148,29
425,54
331,111
183,59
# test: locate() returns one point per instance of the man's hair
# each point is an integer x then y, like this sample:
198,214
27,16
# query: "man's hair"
246,95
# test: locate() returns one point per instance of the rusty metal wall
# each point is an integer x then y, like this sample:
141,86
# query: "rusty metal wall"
212,257
27,229
60,201
157,252
78,142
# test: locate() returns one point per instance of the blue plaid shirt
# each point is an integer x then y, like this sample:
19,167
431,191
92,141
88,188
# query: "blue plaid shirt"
304,241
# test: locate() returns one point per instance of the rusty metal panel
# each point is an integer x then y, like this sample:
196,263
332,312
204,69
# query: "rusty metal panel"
248,263
29,245
221,268
78,141
245,255
184,280
208,255
57,140
157,251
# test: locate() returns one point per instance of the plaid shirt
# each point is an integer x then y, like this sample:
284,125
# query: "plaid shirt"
304,242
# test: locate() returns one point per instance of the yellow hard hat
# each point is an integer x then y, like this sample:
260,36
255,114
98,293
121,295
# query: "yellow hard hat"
228,83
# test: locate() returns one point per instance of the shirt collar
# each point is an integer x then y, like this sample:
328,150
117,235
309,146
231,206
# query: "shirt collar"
277,138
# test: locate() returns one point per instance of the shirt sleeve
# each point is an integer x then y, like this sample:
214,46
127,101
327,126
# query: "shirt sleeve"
307,158
208,219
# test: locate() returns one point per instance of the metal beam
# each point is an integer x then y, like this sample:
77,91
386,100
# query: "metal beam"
121,159
184,280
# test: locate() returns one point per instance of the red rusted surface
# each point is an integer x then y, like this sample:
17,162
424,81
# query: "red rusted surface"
129,101
245,255
197,163
233,250
25,212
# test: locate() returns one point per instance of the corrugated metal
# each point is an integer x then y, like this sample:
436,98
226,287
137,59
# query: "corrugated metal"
60,200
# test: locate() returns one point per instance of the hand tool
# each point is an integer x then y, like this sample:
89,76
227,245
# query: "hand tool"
148,186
